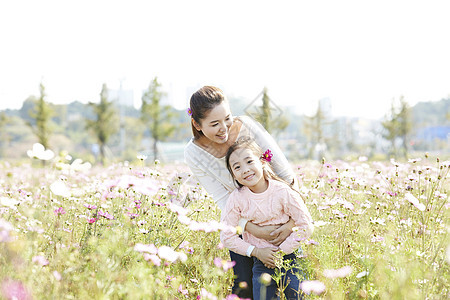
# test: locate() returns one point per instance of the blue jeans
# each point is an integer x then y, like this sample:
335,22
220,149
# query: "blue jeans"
243,272
262,292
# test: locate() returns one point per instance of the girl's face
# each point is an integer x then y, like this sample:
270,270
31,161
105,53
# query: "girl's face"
216,125
248,170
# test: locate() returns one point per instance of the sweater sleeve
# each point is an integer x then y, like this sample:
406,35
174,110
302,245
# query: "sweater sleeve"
279,162
231,217
212,186
294,206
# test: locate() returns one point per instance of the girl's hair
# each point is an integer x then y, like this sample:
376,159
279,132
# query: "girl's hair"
248,143
202,101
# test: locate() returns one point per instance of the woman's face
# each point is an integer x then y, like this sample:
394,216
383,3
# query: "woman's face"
216,125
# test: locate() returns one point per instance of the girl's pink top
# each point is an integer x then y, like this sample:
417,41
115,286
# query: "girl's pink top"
271,207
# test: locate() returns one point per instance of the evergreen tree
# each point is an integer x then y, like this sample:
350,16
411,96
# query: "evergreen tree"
404,120
314,129
273,125
397,126
41,116
105,123
156,116
4,138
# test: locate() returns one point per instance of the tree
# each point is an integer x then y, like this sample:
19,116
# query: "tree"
105,123
40,115
4,138
156,116
314,129
263,115
404,120
397,126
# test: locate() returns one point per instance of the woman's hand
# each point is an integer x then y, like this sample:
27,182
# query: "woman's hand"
266,256
274,234
280,234
261,232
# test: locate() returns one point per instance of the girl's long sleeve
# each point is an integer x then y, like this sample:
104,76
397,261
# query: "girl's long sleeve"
231,217
294,206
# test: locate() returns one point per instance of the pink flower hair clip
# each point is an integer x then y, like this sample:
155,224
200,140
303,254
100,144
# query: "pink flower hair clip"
267,156
189,111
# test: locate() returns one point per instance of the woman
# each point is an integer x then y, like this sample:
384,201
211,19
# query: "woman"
215,130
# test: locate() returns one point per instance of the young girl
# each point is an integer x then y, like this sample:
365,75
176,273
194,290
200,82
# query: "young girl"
264,199
215,129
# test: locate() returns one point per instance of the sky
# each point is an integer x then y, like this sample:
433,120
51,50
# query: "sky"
359,54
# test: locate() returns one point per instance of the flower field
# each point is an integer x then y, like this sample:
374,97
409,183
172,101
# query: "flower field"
143,230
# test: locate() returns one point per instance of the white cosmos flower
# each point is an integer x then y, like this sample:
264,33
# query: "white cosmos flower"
59,188
362,274
141,157
320,223
167,253
78,165
38,151
414,201
9,202
171,255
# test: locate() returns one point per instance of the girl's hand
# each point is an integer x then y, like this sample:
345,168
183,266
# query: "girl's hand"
266,256
280,234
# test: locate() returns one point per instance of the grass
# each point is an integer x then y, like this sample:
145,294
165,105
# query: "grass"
137,231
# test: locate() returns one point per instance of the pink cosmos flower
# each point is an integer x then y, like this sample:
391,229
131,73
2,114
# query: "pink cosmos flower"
59,211
233,297
92,220
218,262
90,206
377,239
182,291
12,289
153,258
204,294
311,242
338,273
312,286
228,265
39,259
268,155
57,275
5,228
105,215
223,264
132,215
